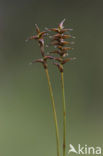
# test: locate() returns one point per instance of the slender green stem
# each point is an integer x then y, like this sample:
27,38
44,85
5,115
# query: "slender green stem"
54,111
64,115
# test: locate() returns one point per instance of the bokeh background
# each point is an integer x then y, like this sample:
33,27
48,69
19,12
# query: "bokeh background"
26,117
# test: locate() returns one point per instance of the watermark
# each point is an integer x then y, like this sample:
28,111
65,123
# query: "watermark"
89,150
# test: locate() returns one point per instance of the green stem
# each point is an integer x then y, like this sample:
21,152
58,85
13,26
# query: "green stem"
54,110
64,115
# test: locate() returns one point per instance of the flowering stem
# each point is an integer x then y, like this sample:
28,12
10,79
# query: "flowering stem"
64,115
54,111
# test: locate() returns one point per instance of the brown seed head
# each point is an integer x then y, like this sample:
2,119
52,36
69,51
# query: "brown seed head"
39,35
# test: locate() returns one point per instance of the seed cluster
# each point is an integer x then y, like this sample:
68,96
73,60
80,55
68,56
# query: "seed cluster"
58,40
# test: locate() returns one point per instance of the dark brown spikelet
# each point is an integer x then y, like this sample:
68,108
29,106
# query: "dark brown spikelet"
48,57
63,61
38,60
67,60
64,48
60,43
55,52
60,67
63,31
60,36
54,29
31,38
60,53
59,59
65,36
41,61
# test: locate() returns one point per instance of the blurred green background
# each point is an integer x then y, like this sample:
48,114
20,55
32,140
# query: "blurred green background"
26,118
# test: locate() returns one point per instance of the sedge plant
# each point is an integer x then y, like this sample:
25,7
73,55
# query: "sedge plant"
58,41
40,39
